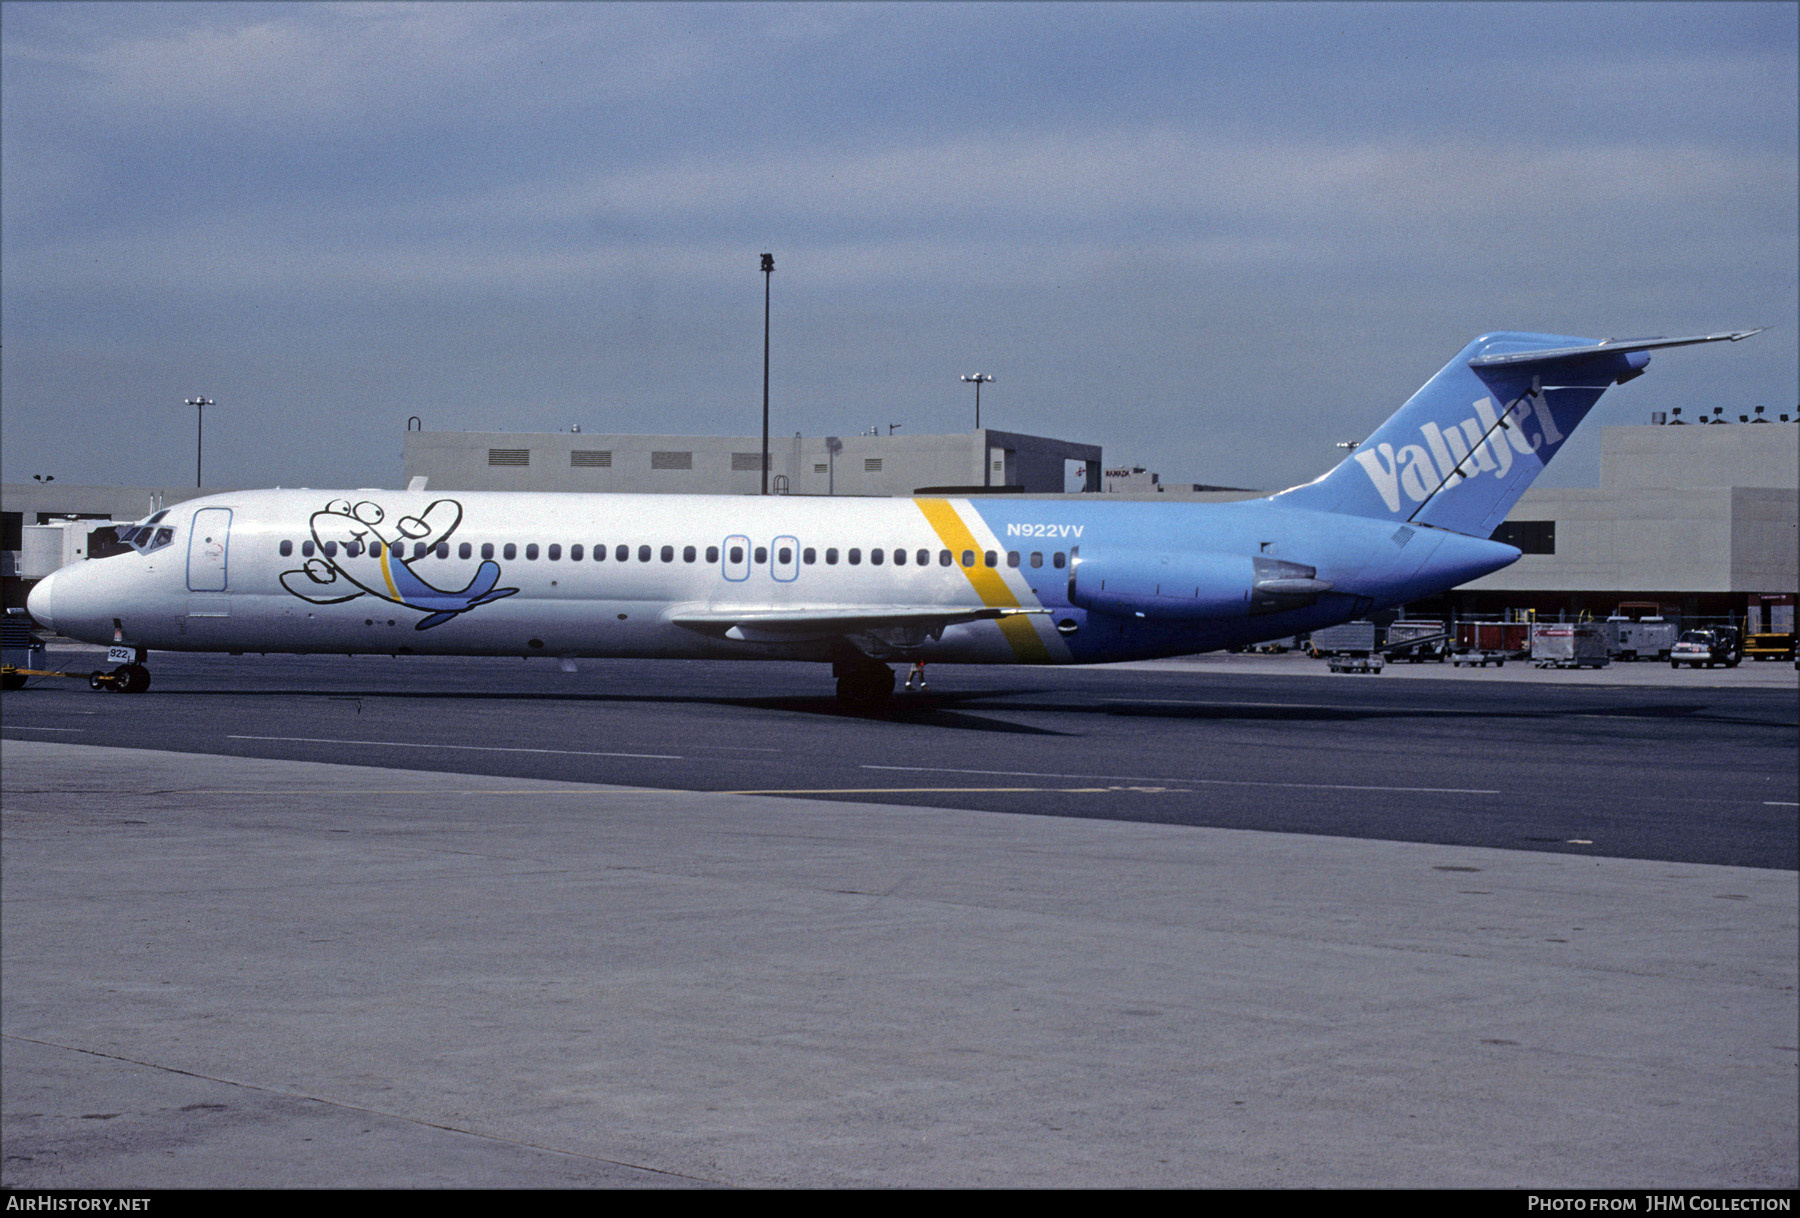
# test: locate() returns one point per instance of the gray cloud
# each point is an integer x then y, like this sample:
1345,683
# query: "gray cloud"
1200,235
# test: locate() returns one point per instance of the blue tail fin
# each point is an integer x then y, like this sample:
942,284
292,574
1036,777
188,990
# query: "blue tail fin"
1463,449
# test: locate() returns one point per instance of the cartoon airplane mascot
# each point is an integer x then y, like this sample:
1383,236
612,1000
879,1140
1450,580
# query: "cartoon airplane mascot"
362,555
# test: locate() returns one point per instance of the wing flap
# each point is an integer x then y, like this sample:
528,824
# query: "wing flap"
752,624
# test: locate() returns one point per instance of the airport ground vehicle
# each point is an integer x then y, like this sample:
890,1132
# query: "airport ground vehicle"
1417,642
19,650
1776,646
1649,638
855,583
1709,646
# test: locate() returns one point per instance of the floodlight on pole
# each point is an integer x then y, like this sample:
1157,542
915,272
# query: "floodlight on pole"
199,405
768,270
978,380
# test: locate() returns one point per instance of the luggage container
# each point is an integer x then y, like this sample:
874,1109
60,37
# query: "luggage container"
1568,645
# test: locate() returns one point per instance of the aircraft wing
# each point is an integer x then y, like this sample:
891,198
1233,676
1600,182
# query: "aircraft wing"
897,626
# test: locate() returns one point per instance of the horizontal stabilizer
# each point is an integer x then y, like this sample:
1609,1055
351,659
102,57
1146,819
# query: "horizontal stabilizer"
1607,346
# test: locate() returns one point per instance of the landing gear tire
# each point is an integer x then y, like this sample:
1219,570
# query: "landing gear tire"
866,687
13,680
125,679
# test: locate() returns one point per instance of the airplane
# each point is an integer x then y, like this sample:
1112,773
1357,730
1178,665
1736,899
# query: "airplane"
858,583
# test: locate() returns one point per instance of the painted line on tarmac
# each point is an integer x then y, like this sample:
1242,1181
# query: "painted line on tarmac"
953,791
26,727
473,748
1209,782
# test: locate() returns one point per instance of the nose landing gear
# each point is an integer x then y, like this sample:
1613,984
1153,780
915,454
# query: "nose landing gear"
125,679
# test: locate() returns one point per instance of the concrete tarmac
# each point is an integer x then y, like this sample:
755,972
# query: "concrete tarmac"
223,972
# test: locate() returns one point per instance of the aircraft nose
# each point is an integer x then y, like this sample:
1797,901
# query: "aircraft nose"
40,604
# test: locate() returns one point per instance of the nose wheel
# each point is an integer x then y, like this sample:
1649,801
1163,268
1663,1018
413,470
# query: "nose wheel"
125,679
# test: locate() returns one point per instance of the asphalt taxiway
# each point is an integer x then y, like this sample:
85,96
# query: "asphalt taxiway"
450,946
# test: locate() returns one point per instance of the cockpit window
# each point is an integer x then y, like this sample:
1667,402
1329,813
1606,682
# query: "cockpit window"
146,537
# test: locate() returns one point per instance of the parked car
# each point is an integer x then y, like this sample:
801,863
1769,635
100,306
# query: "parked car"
1713,645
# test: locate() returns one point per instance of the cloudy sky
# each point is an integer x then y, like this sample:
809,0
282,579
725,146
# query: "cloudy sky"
1213,238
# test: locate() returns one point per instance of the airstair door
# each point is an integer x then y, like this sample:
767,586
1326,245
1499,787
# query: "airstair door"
207,546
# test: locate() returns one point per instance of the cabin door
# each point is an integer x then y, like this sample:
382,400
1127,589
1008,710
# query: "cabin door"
207,544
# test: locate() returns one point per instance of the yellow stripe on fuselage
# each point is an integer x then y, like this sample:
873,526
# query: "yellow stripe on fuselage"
393,592
987,581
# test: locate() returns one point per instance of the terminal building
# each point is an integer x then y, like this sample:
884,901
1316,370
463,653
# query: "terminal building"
1699,519
984,461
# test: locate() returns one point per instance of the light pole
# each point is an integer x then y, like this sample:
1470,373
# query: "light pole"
768,269
978,380
199,405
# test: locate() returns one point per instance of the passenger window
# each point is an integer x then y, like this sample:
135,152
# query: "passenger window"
621,553
809,556
331,549
924,557
784,556
442,549
306,549
855,557
831,557
1056,560
575,552
874,558
643,553
1037,558
509,551
990,559
899,558
943,558
553,553
1012,558
464,550
712,553
689,554
968,559
668,553
287,549
531,551
762,555
737,554
487,549
353,549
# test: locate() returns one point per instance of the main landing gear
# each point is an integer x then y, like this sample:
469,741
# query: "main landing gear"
863,683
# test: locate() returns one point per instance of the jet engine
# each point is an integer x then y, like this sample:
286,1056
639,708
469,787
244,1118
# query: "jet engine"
1187,586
